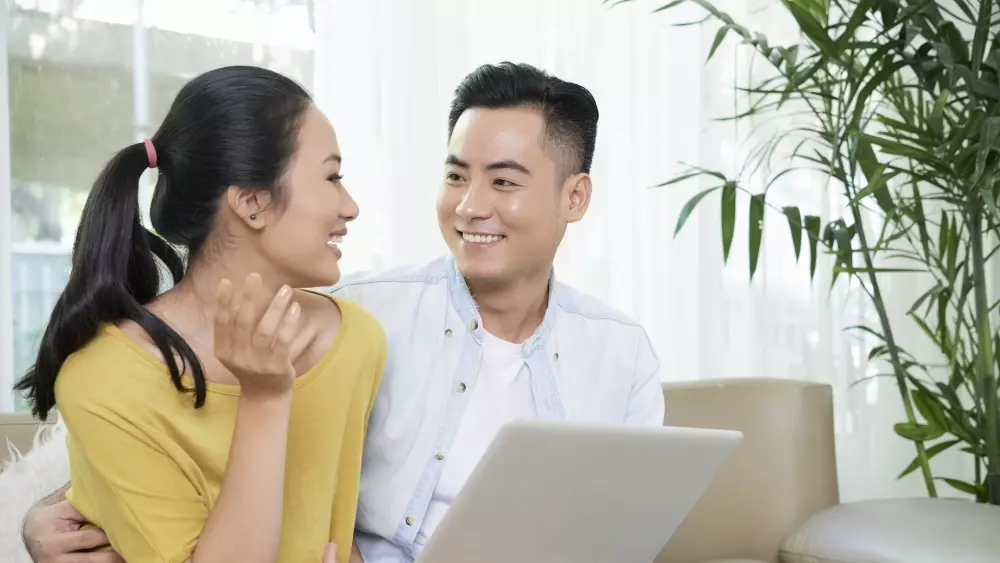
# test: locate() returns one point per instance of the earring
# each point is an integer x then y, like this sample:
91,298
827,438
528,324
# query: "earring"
253,216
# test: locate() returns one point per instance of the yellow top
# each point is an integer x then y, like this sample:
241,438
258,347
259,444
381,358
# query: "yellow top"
146,466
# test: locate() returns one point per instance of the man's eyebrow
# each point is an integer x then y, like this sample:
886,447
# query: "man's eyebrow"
453,160
509,165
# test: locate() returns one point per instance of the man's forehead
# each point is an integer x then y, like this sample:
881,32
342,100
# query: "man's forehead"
487,135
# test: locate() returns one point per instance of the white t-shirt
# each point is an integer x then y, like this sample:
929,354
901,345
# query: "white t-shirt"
502,393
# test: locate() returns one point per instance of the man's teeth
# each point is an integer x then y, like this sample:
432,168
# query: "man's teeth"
335,241
481,238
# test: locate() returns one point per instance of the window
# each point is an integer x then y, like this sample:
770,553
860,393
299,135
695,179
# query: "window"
84,79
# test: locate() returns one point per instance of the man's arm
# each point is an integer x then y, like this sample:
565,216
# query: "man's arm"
646,405
52,533
57,496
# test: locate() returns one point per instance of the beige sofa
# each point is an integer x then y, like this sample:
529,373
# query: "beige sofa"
776,501
17,429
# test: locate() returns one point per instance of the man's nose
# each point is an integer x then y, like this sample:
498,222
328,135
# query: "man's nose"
475,204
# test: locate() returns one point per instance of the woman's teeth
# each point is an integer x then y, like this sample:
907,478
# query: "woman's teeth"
335,241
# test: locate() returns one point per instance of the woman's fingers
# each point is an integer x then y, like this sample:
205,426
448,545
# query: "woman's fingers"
286,332
245,312
330,555
267,328
223,318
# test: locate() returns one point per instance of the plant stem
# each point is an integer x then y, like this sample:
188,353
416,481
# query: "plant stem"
890,343
984,356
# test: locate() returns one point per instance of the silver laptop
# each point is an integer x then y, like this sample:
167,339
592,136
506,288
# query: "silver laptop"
558,492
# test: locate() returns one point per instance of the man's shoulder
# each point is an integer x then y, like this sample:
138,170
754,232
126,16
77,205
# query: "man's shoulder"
432,272
586,307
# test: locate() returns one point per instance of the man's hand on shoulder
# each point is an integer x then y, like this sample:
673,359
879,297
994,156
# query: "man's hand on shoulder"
53,534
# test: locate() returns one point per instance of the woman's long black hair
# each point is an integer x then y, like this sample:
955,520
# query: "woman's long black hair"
234,126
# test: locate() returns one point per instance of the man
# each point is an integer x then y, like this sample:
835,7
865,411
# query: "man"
486,334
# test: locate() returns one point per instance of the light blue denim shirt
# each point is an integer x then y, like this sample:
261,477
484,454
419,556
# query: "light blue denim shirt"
588,363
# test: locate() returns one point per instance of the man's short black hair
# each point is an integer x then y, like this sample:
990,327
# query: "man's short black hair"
569,110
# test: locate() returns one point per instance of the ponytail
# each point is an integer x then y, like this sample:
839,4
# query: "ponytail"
114,275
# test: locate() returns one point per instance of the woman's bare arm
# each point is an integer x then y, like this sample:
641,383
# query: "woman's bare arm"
245,524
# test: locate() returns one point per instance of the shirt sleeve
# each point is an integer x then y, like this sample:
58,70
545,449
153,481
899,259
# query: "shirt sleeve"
646,404
124,481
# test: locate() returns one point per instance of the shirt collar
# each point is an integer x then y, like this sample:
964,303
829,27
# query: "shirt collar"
467,310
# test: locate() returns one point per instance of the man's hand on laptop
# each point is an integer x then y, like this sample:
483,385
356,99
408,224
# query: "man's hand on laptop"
53,534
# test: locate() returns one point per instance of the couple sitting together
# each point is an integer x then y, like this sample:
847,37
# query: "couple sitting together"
235,417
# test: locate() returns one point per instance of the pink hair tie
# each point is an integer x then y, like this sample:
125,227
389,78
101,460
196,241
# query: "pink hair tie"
150,153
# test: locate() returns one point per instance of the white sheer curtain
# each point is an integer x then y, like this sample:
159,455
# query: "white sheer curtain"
385,74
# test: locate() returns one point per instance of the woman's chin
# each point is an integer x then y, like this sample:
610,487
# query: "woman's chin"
327,277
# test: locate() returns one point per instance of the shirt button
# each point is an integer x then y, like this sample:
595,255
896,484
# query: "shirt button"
439,456
461,388
409,520
474,324
447,332
555,357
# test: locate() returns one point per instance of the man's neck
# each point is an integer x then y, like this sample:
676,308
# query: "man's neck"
512,311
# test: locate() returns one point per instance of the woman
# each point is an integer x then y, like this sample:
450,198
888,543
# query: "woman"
224,419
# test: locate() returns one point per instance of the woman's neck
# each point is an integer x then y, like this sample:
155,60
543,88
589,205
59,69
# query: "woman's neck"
191,304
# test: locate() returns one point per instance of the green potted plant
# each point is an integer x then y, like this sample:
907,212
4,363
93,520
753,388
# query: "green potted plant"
903,119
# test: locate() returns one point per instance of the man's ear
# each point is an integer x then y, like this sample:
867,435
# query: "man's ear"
249,205
577,189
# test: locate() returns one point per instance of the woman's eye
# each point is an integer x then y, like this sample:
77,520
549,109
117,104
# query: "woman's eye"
335,178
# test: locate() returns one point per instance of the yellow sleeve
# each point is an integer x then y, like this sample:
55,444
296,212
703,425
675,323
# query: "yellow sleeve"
344,520
124,481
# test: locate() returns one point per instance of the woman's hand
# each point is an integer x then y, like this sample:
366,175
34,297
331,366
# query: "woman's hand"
257,350
330,555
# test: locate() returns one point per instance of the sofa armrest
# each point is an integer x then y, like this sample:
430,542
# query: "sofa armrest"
782,474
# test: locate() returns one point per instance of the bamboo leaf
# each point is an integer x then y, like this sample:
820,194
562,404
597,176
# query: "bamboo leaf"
943,232
756,227
844,236
920,219
929,408
812,225
931,452
876,186
689,207
926,295
917,432
866,329
877,352
678,179
873,172
720,36
857,18
795,227
962,486
936,118
728,208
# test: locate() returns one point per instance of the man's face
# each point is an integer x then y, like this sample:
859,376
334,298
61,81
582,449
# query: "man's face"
505,200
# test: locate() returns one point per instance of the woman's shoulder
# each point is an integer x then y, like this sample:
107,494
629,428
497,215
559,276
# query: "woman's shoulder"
110,366
336,310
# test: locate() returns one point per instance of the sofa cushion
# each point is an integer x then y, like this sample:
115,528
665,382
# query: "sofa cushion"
919,530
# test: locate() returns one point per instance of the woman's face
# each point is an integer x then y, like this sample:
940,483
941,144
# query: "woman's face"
302,236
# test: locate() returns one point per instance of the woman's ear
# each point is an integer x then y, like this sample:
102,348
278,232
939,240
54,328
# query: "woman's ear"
249,205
